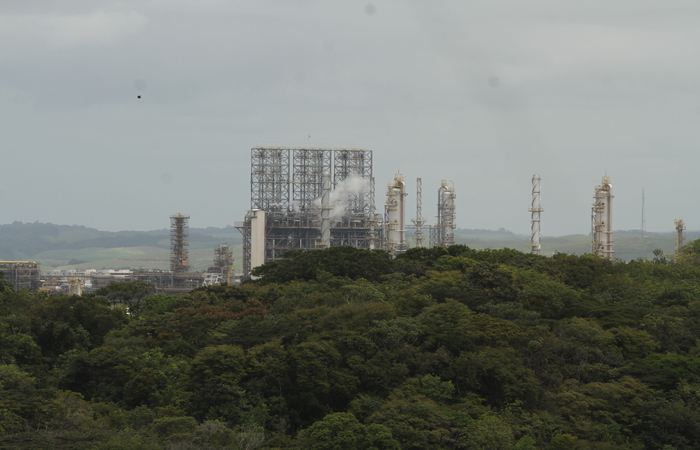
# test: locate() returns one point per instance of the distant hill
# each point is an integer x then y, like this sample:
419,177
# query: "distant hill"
79,247
628,244
75,246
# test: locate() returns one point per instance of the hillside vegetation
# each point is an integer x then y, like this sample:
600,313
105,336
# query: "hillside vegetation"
444,348
78,247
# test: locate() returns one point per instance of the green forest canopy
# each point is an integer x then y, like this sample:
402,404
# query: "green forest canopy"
442,348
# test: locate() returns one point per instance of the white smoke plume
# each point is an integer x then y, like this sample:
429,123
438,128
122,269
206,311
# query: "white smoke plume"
352,186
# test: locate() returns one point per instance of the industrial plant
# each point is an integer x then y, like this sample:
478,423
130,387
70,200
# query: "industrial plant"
313,198
26,274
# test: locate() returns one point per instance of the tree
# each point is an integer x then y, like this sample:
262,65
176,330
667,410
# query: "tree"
339,261
342,431
63,322
129,293
213,379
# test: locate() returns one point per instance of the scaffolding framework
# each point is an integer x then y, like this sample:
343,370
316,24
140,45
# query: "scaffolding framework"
269,179
287,183
535,210
601,219
419,221
680,234
223,263
178,244
308,167
21,274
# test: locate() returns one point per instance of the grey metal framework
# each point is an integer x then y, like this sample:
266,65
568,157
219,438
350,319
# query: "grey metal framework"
308,167
287,183
178,243
269,178
419,221
433,236
22,274
354,162
223,263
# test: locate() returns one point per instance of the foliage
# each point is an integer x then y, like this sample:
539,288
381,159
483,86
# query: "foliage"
441,348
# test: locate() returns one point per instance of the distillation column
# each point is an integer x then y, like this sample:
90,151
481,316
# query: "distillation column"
446,213
601,219
680,236
395,216
419,221
535,209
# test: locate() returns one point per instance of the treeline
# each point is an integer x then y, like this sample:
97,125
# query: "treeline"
22,241
443,348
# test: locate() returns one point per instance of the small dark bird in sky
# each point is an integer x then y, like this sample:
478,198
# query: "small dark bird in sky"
138,96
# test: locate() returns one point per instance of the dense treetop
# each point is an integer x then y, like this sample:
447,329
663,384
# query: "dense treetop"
442,348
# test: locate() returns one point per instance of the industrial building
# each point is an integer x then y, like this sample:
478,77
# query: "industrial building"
22,274
314,198
222,270
295,205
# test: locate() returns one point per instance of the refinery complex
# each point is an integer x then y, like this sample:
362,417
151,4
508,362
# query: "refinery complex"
307,199
314,198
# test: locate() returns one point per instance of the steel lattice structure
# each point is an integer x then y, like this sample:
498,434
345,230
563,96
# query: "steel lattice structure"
287,183
269,178
22,274
419,221
178,243
348,163
308,167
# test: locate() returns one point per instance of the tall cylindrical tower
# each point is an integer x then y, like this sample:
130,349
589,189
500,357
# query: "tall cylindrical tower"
446,213
535,209
395,216
178,243
601,219
680,234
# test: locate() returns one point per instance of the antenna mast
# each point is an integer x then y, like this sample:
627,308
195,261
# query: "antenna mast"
419,221
643,219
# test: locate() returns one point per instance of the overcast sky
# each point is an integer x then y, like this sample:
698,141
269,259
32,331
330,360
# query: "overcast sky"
485,93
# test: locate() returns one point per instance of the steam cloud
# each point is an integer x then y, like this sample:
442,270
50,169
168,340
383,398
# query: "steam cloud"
352,186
